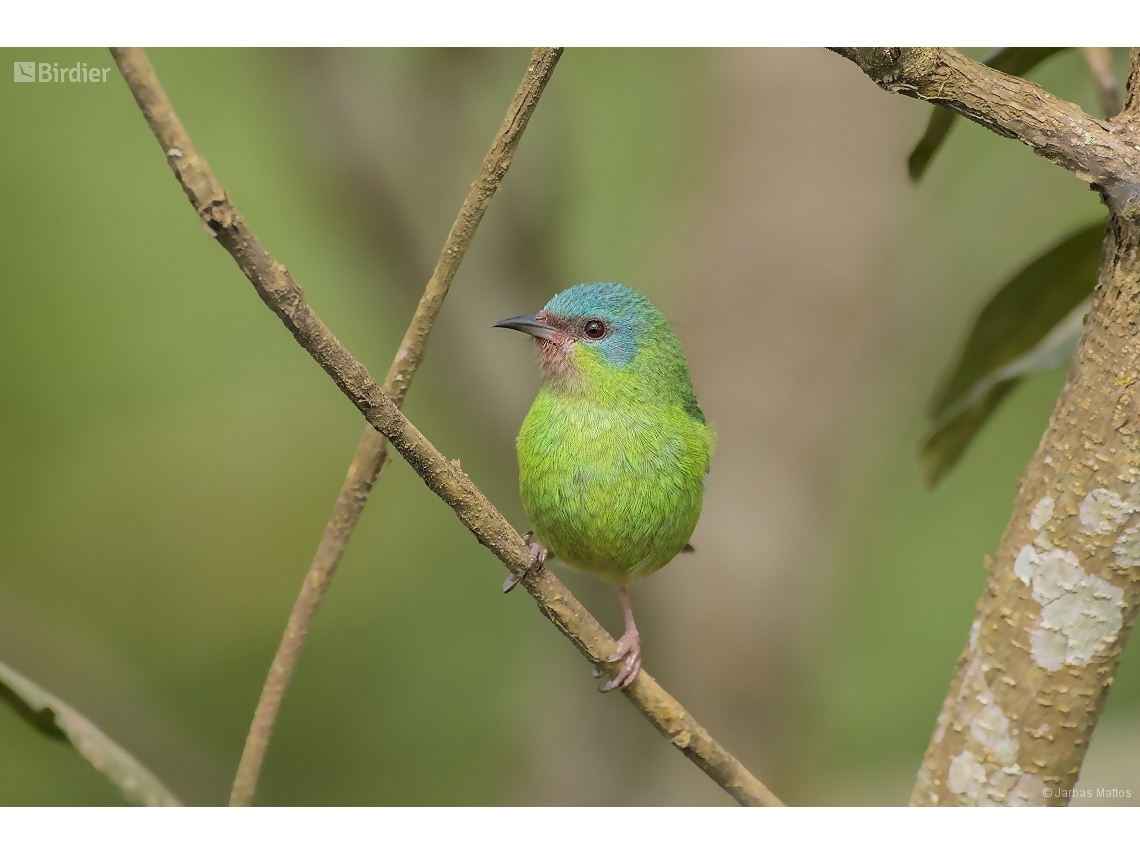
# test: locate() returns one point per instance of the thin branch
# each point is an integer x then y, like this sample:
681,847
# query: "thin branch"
371,454
1132,99
280,292
53,717
1099,60
1103,153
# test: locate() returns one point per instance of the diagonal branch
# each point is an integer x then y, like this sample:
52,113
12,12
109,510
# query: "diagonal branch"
281,293
371,456
1103,153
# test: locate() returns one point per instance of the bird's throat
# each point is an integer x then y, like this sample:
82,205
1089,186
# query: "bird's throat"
556,359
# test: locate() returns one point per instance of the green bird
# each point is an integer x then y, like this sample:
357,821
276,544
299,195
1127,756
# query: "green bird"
614,451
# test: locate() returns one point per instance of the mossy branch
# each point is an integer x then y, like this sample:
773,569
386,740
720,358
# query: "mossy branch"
281,293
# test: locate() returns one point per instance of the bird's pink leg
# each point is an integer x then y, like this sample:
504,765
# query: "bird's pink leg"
629,649
537,558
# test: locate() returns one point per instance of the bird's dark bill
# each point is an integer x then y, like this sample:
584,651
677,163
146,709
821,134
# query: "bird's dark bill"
531,325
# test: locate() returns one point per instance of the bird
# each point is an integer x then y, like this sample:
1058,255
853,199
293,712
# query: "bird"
615,449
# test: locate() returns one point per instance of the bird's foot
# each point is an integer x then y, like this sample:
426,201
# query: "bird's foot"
629,655
537,558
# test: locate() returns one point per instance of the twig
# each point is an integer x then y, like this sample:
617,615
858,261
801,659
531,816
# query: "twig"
52,716
1099,60
1132,87
1099,152
371,454
281,293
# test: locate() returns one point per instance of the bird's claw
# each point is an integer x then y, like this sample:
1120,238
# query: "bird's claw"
629,654
538,557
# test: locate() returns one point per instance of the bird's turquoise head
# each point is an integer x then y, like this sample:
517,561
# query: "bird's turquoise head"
604,335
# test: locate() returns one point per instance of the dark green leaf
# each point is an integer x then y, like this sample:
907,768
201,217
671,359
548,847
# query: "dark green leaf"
1031,324
1017,61
949,440
958,425
53,717
941,120
1022,313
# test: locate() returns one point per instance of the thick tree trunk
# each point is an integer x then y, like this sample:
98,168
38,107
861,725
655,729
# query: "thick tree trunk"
1064,585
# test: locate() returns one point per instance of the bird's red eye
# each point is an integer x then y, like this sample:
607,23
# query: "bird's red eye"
594,328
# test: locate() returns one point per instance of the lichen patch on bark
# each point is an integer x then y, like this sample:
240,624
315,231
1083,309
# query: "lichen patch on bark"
1081,614
1042,513
1008,785
1088,620
1050,574
989,733
1127,547
1103,511
966,775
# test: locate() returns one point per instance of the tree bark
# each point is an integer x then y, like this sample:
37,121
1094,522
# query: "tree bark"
1064,584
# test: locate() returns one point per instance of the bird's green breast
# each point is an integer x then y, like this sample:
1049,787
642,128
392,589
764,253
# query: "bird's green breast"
612,486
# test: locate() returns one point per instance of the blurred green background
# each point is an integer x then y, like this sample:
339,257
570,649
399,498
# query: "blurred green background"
168,455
